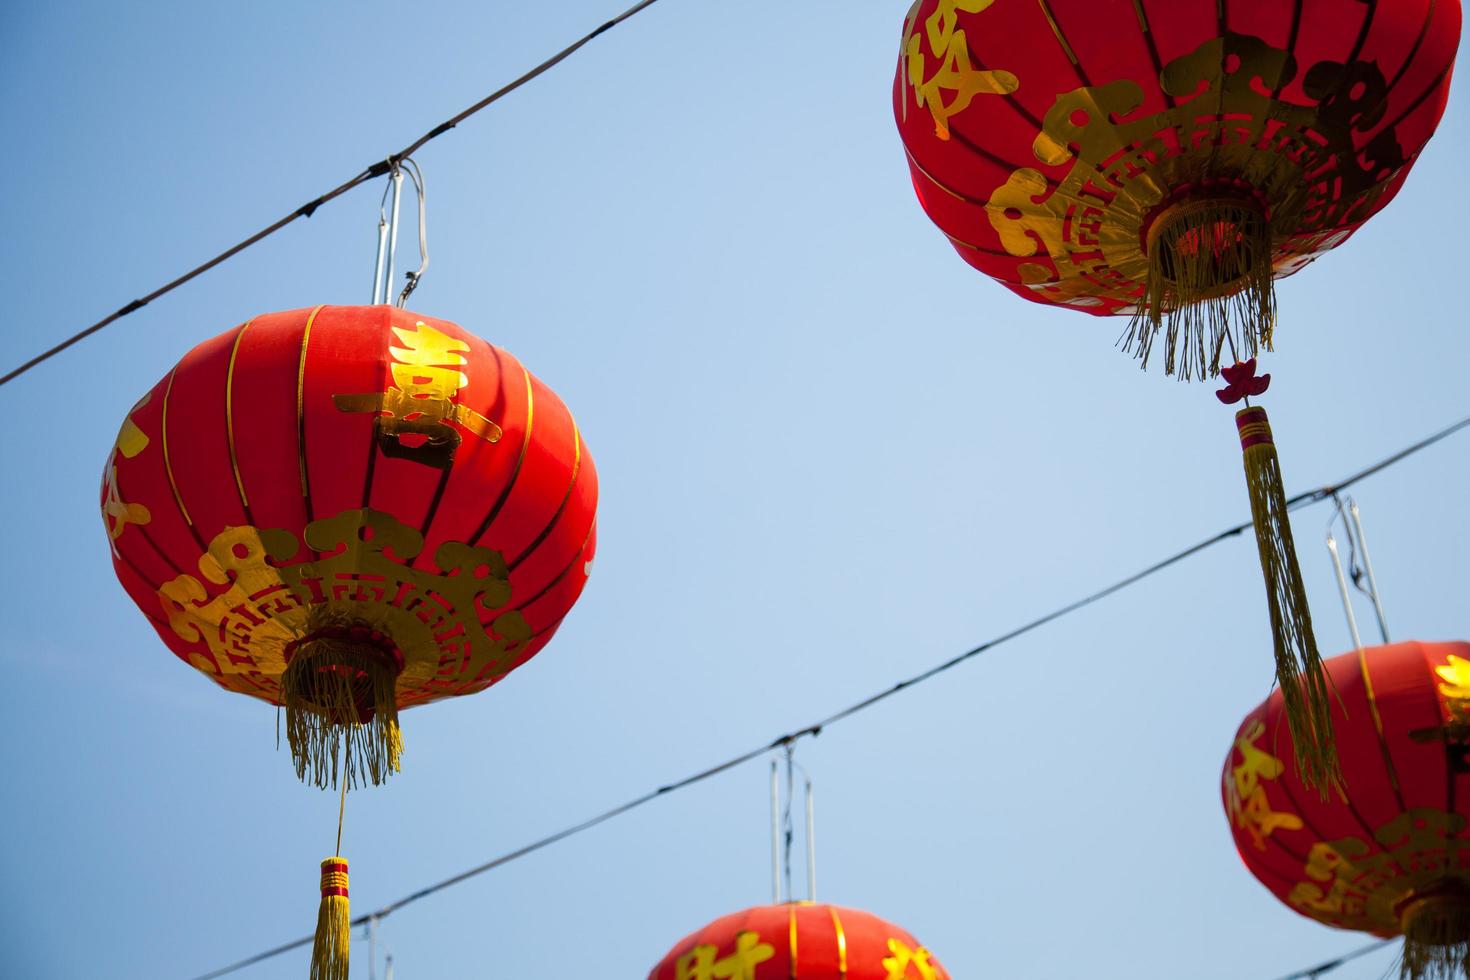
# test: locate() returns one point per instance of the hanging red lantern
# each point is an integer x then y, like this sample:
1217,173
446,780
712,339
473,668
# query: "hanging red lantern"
1166,160
1390,855
799,941
349,511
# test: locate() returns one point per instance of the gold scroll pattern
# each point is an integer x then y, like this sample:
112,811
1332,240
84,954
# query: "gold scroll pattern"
412,417
1245,789
945,80
1302,162
117,513
362,576
1356,884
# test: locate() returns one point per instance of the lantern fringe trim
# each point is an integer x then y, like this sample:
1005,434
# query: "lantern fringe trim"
1210,283
1436,939
341,713
1306,690
332,945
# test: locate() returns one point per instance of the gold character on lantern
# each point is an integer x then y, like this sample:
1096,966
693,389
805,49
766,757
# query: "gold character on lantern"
1249,806
955,73
898,964
701,964
413,416
117,513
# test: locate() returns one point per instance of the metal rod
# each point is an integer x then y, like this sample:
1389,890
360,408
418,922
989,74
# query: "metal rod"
388,974
1368,567
811,847
378,288
397,179
775,837
372,931
1342,589
787,830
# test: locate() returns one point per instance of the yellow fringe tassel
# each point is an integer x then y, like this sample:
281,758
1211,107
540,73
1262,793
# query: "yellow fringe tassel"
1436,938
326,690
1305,688
1210,281
332,947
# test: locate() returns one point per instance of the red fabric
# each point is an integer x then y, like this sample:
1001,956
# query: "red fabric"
309,443
1400,831
830,943
1374,76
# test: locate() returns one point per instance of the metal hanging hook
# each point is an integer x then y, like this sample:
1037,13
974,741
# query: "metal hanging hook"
783,830
1352,522
1368,568
388,215
775,835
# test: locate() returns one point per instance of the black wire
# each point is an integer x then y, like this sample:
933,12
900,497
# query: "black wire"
785,741
305,211
1321,969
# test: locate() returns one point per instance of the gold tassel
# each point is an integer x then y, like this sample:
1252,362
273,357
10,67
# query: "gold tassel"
341,694
1436,928
1305,687
1210,282
331,949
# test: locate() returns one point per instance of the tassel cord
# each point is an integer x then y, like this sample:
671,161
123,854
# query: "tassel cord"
341,812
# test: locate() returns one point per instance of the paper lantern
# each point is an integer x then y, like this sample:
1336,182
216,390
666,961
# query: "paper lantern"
799,941
1165,159
1391,855
350,511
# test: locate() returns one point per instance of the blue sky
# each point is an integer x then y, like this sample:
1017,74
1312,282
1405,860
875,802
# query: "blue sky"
831,455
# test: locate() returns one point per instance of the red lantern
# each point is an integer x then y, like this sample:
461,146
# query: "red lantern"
349,511
799,941
1391,855
1166,160
1058,143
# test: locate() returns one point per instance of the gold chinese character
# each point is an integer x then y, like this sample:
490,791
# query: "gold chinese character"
1246,797
954,74
413,415
898,964
701,964
117,513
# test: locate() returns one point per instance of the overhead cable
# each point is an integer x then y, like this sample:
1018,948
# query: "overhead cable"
1302,499
306,210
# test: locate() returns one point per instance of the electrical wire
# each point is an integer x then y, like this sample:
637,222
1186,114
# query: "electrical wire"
1322,969
786,741
305,211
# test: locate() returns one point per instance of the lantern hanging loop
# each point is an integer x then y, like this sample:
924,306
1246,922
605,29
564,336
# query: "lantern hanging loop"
388,215
775,834
1359,574
417,176
783,829
1342,586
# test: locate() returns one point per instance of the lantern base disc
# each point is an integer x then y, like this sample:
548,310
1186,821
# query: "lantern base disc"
1436,929
1210,287
339,692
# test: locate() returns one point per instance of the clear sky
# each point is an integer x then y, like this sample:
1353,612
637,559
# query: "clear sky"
831,455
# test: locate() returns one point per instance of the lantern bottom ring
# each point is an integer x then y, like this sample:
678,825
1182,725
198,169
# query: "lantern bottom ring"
339,690
1436,927
1209,282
